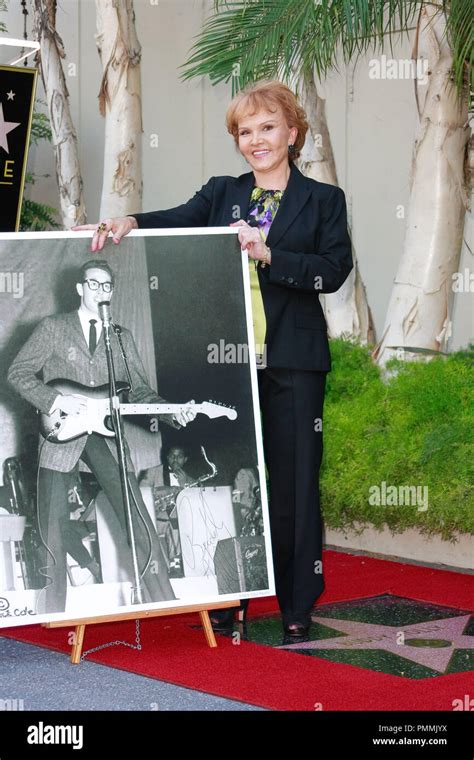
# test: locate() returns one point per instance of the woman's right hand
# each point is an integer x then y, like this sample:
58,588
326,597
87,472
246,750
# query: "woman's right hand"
119,226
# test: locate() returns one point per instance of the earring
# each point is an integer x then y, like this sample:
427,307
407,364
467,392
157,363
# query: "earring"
291,150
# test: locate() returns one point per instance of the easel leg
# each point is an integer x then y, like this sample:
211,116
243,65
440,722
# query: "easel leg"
80,628
208,631
78,642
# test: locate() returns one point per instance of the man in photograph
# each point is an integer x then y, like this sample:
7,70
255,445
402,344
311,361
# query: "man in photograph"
175,479
71,347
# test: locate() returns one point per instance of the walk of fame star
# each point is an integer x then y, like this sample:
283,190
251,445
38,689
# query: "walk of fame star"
5,128
431,644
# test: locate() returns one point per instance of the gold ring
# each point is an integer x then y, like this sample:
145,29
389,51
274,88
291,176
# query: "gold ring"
102,227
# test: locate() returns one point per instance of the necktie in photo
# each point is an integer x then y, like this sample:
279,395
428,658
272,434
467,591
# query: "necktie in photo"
92,335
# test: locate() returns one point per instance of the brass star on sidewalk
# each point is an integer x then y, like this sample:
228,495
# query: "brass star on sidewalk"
431,644
5,128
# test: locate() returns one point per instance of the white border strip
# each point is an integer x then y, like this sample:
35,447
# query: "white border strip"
69,235
257,422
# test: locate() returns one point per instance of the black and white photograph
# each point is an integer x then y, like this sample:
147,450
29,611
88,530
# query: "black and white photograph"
130,441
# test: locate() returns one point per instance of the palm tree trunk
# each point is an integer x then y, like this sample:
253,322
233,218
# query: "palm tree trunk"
347,311
68,172
419,312
120,103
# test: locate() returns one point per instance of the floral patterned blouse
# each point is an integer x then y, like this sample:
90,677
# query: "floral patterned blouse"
263,206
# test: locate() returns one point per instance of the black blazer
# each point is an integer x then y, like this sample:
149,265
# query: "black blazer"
311,254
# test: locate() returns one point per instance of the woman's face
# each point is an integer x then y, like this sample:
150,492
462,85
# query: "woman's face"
263,139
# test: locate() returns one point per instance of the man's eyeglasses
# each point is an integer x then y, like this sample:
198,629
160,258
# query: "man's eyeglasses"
107,287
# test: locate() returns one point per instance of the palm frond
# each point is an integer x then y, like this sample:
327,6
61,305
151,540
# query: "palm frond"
40,128
460,32
250,39
37,217
244,40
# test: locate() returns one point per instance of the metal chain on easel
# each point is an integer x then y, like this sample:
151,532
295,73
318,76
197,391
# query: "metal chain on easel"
137,645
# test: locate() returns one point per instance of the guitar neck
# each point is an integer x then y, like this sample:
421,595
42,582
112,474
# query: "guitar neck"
155,408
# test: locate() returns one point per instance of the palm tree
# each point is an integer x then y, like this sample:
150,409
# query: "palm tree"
121,105
247,40
68,172
347,311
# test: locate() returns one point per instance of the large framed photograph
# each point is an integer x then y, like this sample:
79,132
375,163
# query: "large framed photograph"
130,444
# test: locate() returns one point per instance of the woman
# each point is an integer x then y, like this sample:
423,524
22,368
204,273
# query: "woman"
295,232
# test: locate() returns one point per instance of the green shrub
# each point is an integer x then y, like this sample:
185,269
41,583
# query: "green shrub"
413,429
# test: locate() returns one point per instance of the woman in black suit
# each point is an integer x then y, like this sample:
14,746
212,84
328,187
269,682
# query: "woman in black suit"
295,232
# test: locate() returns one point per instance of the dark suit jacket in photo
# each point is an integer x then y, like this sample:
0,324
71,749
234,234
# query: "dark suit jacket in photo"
57,349
308,240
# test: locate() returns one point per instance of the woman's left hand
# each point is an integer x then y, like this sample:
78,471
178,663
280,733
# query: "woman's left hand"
251,241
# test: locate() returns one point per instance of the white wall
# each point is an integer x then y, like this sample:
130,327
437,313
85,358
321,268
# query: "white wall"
372,124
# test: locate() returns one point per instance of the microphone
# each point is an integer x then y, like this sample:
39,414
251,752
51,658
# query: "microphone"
104,312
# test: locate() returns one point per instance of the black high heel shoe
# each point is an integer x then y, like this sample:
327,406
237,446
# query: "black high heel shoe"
223,620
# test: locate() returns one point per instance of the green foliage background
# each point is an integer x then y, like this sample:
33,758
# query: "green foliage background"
38,216
416,429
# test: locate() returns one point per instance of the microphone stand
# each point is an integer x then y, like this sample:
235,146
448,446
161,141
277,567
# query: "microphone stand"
118,333
137,592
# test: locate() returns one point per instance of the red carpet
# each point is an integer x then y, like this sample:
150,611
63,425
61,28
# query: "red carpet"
173,651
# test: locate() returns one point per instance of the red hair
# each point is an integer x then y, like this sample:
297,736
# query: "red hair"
265,95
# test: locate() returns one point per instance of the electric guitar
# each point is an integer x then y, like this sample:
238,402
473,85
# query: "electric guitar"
58,427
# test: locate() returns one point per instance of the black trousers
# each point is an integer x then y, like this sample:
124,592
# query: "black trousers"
291,403
72,533
53,507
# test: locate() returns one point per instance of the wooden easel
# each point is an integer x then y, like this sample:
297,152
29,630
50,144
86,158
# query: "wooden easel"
80,626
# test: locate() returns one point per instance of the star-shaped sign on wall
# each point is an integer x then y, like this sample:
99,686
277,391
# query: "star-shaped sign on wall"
5,128
430,644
